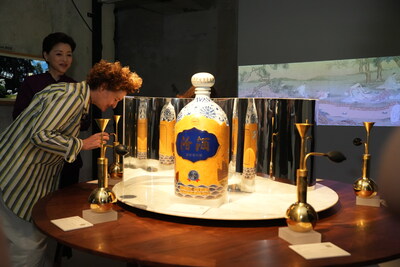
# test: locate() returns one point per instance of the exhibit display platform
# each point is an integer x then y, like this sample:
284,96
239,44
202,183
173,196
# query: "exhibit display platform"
154,191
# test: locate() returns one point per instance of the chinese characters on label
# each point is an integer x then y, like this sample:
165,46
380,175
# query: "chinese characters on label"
195,145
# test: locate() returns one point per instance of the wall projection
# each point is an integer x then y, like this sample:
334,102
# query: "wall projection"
349,91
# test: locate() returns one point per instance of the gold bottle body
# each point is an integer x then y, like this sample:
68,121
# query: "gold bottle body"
205,178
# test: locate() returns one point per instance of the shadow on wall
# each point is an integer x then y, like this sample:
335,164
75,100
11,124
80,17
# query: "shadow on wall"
328,138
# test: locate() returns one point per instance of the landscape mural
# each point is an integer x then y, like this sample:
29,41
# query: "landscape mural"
348,91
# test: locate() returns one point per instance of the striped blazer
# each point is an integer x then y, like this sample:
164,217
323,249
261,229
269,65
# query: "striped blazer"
33,148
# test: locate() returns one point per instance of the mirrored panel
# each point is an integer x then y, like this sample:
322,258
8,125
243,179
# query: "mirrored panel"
148,124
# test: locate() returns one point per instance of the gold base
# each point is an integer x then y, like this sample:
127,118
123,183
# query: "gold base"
101,199
101,208
301,217
365,188
116,171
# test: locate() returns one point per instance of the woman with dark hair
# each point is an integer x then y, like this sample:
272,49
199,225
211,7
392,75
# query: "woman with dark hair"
34,147
57,49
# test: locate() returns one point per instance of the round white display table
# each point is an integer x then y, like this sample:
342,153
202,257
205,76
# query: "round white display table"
155,192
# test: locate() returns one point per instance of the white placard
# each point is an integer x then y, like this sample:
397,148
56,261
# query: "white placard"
319,250
71,223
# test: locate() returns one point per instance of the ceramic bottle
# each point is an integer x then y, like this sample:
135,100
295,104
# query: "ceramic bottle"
202,146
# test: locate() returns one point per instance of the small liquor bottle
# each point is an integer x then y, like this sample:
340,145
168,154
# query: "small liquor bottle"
142,130
167,141
202,147
235,129
250,148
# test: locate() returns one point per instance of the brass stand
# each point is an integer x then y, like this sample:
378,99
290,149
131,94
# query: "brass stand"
102,198
364,187
271,161
301,216
116,168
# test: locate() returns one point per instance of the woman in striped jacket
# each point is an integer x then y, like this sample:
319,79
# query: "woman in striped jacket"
34,147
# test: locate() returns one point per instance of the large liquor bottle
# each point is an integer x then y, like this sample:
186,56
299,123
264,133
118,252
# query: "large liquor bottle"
202,146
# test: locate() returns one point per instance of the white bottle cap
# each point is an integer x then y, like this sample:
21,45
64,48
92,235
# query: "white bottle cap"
203,79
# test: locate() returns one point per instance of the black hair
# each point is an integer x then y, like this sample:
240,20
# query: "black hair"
55,38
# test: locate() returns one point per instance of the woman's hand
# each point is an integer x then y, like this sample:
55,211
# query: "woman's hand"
94,141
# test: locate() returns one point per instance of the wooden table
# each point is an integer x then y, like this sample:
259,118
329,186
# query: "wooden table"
370,234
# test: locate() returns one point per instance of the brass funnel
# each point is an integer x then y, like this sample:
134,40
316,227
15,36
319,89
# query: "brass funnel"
302,128
365,187
102,123
368,127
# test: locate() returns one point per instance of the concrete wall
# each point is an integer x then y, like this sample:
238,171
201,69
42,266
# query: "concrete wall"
167,49
24,24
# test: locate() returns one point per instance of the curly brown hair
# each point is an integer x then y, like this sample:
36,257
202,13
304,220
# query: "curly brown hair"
114,77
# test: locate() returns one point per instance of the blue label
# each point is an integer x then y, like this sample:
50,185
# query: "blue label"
195,145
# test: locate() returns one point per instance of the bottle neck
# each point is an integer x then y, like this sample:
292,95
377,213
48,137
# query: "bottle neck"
203,91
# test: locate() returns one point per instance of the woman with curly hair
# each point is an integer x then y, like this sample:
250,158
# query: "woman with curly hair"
34,147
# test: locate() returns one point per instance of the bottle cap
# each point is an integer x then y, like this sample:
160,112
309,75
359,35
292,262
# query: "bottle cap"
203,79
